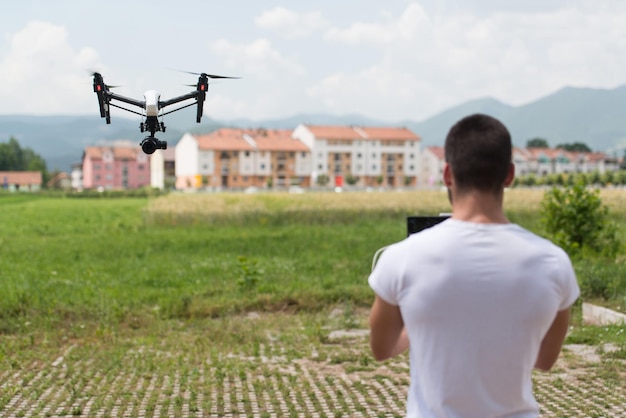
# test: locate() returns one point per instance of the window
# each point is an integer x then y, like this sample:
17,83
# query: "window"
247,153
140,167
359,155
262,166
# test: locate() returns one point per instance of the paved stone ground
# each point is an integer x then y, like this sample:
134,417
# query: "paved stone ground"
336,380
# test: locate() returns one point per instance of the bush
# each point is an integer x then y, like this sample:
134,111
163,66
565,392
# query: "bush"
601,280
576,219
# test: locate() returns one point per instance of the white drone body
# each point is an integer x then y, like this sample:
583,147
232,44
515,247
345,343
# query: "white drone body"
152,98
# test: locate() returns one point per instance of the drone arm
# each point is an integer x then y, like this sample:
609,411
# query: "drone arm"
178,99
125,99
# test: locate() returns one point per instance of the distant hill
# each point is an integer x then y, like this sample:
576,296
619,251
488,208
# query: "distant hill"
596,117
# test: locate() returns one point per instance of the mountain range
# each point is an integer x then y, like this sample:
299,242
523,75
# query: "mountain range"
596,117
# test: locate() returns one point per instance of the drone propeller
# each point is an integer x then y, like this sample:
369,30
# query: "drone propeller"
216,76
206,75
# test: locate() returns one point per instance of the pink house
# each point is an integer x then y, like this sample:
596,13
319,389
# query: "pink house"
115,167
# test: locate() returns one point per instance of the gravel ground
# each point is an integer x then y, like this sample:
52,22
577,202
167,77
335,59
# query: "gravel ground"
334,379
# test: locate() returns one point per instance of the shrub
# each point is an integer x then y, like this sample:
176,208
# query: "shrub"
322,180
603,281
577,220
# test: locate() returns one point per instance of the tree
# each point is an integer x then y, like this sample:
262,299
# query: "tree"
574,146
15,158
537,143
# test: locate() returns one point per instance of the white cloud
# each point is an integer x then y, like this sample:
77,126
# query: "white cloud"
291,24
378,91
431,62
42,73
403,28
257,58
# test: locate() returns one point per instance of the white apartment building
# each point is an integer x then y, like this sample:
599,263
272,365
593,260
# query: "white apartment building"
366,156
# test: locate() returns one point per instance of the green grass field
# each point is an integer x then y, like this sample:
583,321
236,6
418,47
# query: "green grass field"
187,298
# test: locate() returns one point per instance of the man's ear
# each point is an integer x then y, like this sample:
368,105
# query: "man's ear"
510,175
447,175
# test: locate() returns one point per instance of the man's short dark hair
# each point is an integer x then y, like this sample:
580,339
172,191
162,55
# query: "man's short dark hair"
478,149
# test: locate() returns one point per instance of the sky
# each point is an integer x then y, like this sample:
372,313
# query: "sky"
393,60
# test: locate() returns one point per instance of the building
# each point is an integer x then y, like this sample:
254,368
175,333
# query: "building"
120,166
362,156
76,176
61,181
241,158
21,180
162,168
279,158
544,161
432,162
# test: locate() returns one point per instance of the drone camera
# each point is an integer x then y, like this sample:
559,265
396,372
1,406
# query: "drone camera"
151,144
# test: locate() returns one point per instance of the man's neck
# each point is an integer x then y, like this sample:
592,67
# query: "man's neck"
479,207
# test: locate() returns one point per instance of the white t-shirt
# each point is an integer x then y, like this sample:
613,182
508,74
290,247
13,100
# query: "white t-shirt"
476,300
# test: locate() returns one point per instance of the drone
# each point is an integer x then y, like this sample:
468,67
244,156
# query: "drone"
152,106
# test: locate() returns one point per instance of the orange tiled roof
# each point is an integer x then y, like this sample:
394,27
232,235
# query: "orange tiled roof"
21,177
390,133
362,132
555,153
437,152
119,152
231,139
225,139
276,140
334,132
551,153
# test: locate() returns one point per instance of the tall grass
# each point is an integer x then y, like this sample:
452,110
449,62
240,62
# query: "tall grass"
135,260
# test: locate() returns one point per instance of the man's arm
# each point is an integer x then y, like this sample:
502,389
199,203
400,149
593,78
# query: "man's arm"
387,333
553,341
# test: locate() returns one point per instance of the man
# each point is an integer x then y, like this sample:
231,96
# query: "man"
477,300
